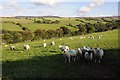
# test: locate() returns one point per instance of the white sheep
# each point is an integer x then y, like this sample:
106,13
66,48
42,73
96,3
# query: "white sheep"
71,38
91,37
27,47
63,48
98,36
60,39
98,54
52,43
44,44
6,45
44,40
68,54
12,47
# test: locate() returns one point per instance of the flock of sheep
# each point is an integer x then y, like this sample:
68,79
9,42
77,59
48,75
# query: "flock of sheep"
89,54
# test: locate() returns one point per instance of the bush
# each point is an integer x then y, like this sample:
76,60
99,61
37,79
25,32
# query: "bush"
17,37
27,36
8,38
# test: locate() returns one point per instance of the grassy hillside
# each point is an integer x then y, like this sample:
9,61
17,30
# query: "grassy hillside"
48,62
29,23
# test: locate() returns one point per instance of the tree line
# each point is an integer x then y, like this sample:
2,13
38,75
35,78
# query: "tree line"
28,35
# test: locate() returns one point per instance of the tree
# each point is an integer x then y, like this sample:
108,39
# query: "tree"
24,28
17,37
27,36
19,24
51,33
59,32
82,29
39,34
66,31
8,38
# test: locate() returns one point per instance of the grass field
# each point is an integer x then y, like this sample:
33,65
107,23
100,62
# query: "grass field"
49,62
29,23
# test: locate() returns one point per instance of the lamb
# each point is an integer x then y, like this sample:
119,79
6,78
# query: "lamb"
44,44
27,47
98,54
12,47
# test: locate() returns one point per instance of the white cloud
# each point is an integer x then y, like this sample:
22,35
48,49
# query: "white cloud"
43,2
84,9
93,4
1,7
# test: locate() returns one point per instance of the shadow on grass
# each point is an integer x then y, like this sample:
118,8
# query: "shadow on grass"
53,66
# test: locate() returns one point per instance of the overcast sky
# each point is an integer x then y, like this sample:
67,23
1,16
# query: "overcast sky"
66,8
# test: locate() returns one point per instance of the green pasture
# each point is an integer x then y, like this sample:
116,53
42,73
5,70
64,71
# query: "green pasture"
48,62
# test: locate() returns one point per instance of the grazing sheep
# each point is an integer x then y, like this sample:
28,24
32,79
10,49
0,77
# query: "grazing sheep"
52,43
71,38
6,45
68,54
81,37
27,47
12,47
91,37
63,48
98,36
98,54
43,40
44,44
60,39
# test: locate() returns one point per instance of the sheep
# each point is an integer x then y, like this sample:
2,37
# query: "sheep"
60,39
44,40
81,37
68,54
98,54
63,48
91,37
27,47
71,38
52,43
6,45
99,36
79,53
12,47
44,44
89,56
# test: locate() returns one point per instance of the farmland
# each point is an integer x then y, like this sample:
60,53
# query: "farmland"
29,23
48,62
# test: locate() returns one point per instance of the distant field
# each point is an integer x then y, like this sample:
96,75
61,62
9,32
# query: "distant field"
48,62
11,27
29,23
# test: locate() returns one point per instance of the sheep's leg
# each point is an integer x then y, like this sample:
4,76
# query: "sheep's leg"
74,58
95,60
69,59
65,60
99,60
